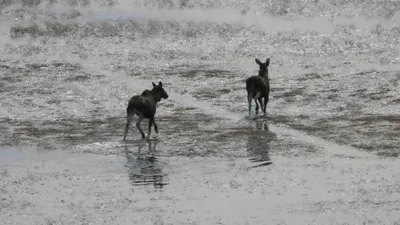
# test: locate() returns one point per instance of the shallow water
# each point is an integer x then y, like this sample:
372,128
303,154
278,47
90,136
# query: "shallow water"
68,69
57,187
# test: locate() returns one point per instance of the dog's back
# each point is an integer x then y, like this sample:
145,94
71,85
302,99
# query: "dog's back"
143,104
256,87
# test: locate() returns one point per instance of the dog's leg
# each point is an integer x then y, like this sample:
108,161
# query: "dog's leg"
257,106
155,126
249,98
261,103
265,104
150,123
141,117
129,118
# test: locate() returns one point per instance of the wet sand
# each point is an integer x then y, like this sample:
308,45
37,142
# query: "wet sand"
63,187
326,153
198,170
208,164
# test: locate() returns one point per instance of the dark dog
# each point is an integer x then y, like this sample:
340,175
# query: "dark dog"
258,87
144,106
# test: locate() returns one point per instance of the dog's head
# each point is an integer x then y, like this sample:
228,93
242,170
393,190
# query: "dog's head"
160,90
263,67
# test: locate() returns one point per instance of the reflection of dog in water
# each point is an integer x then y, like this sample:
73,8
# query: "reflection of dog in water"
145,169
258,144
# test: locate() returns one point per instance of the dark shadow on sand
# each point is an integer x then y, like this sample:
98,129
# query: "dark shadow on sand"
144,168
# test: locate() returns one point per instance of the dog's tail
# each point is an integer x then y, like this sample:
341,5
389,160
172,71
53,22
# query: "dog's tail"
130,112
250,85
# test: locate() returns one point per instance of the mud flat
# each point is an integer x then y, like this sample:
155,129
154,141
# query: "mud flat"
326,153
138,185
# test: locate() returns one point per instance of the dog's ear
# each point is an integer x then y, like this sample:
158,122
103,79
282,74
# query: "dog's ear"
258,62
160,84
154,85
267,62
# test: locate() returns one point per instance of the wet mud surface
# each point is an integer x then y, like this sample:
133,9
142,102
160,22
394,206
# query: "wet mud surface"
201,168
58,187
326,152
63,105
